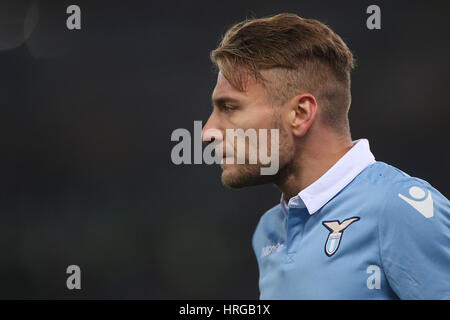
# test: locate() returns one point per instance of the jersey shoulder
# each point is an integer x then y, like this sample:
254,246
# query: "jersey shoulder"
403,194
413,232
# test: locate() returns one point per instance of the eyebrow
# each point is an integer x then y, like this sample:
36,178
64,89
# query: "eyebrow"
222,100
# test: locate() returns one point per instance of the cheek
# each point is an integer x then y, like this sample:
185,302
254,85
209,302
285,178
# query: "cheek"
258,118
287,146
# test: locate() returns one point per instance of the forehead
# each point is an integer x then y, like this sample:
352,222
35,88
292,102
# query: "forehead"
224,90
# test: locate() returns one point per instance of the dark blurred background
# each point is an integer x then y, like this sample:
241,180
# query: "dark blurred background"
86,117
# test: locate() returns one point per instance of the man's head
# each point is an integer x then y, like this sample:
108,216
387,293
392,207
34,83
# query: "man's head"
282,72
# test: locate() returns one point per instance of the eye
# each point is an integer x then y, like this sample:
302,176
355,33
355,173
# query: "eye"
228,108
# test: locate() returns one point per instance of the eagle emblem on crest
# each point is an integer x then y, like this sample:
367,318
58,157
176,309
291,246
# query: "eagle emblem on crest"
336,230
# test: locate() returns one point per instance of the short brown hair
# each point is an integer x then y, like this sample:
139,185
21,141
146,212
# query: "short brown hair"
300,54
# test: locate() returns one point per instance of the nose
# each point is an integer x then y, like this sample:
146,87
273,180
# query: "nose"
211,130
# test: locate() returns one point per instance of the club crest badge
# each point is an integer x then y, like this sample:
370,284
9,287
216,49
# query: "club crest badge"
335,236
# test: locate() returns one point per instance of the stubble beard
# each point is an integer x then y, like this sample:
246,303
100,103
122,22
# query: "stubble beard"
236,176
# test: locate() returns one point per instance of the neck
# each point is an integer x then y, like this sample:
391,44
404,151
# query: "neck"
316,156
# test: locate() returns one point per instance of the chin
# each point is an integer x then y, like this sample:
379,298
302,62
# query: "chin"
239,176
229,176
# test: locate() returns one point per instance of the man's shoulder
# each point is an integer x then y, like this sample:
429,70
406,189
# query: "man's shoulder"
392,181
413,228
384,174
405,197
392,197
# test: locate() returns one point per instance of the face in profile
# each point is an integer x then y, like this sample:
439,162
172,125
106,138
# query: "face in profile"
247,110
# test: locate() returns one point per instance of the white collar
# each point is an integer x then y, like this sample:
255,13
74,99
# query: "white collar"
316,195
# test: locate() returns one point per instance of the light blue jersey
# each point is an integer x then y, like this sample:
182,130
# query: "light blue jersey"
364,230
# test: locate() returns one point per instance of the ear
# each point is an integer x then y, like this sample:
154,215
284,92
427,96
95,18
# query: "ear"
303,110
